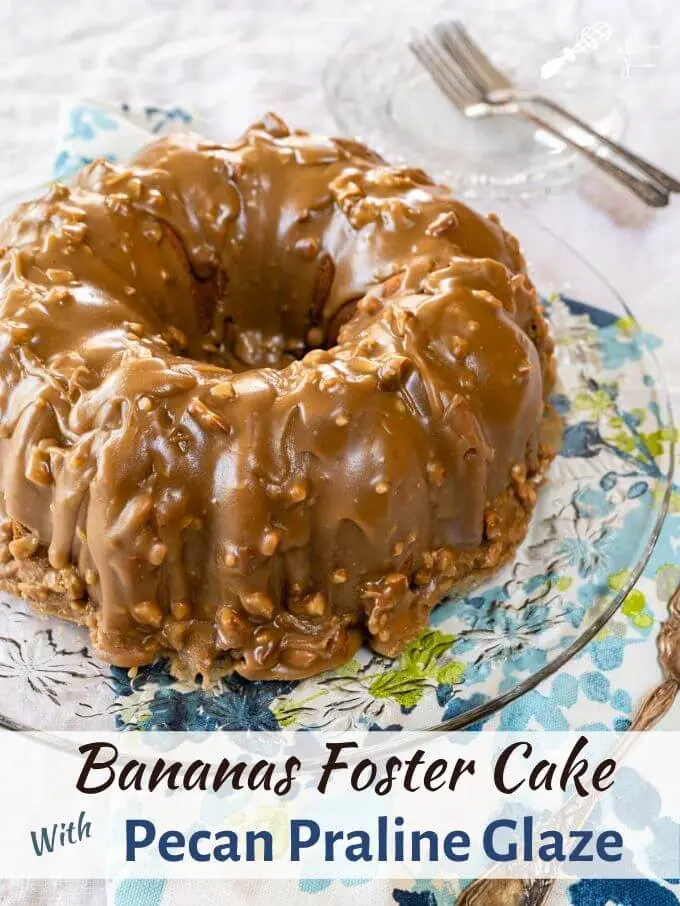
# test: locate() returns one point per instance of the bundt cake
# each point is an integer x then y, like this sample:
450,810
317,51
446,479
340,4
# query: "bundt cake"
261,401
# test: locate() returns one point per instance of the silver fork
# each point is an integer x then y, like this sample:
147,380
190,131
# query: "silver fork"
497,88
470,81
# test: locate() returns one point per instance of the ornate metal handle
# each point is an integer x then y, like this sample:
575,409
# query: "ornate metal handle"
665,180
651,194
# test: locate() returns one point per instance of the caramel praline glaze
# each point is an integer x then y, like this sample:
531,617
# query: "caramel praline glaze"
260,401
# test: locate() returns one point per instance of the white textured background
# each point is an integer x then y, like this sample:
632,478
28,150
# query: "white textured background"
230,60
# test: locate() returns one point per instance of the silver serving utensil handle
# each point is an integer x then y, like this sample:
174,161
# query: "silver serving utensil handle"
665,180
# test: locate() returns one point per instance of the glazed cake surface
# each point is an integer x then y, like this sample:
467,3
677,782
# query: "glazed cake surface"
262,401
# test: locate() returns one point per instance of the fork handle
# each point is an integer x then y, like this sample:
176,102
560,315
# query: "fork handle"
651,194
665,180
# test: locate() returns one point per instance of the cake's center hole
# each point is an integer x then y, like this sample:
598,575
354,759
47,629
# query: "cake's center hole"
253,341
268,314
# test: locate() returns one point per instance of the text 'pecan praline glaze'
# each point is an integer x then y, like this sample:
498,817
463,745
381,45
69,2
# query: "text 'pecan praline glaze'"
261,401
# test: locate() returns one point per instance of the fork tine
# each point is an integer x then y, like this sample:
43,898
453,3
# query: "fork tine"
458,57
496,78
424,59
447,80
434,72
459,43
456,77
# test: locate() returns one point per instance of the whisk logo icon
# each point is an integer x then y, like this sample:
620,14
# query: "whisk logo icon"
590,38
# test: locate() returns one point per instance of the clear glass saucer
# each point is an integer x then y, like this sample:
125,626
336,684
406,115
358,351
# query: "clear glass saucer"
593,531
377,91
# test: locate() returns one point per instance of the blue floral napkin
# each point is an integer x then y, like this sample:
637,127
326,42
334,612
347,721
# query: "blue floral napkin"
598,689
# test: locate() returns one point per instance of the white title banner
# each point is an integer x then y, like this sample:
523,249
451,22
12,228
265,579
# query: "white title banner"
351,805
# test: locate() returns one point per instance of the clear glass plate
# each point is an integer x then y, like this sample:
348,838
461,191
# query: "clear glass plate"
592,533
377,90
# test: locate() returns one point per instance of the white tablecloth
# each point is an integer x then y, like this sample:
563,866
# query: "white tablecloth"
232,59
